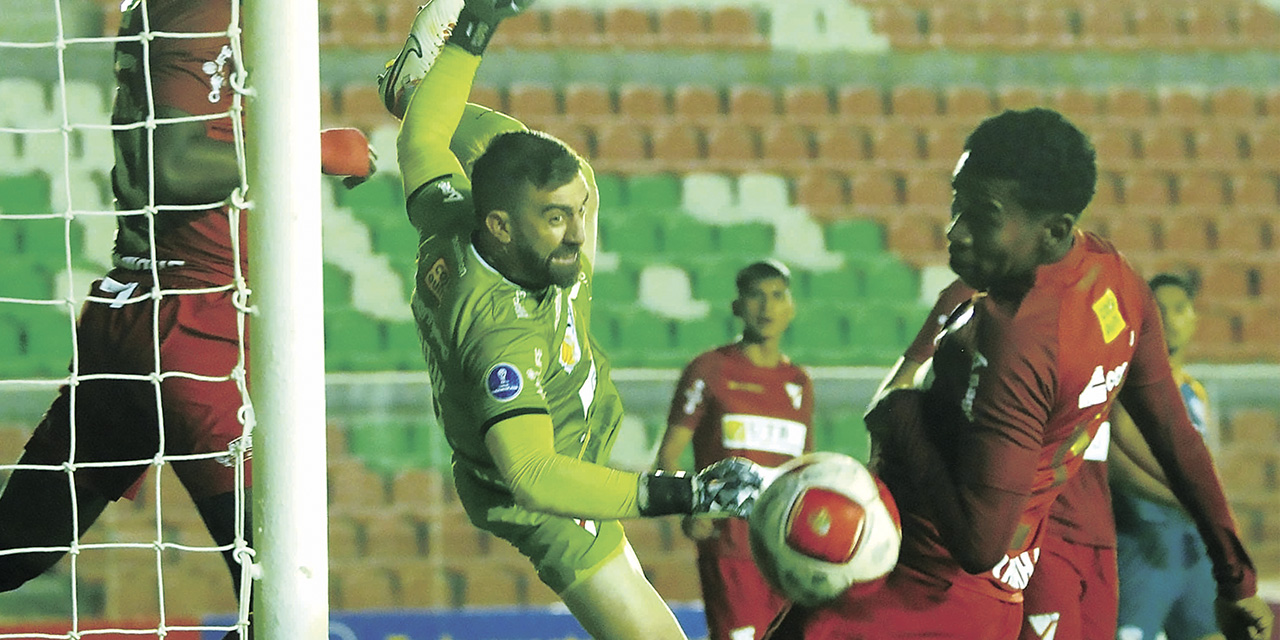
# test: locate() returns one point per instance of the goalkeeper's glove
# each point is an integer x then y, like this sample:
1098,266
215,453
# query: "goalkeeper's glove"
479,18
725,489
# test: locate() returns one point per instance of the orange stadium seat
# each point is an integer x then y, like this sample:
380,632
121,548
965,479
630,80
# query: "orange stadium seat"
620,143
1219,147
1187,232
944,142
1180,105
786,145
1261,332
362,107
530,101
417,490
1128,102
485,583
574,24
1002,27
1154,27
860,103
353,486
913,102
390,535
1164,147
930,190
682,26
1233,102
954,25
698,103
1222,280
1147,189
874,192
809,104
839,145
422,584
1201,190
822,191
1241,232
642,101
1019,98
1103,26
590,101
1116,146
967,102
1076,103
897,145
733,27
1250,426
1049,26
356,587
1259,24
752,103
676,144
629,27
731,146
1264,144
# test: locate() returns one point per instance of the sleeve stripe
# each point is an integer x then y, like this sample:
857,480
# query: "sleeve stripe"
523,411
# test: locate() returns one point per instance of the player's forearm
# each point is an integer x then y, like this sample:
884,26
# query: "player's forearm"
565,486
1131,465
1157,409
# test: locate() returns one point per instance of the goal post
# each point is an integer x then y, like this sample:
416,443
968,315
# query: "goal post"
287,358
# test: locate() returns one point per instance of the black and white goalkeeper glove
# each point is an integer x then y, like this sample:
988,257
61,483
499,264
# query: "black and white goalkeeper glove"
478,20
725,489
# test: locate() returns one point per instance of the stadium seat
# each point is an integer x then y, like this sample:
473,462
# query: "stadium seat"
391,536
681,26
617,286
532,101
897,146
1187,232
733,27
1179,106
1200,189
1233,102
763,193
353,487
587,101
860,103
1164,147
677,145
878,333
687,237
838,145
1128,102
1219,147
1250,426
698,335
653,191
821,192
578,25
856,237
357,587
620,145
642,102
422,584
819,336
1076,103
1019,97
786,146
696,103
731,147
877,192
889,279
807,104
25,194
629,27
967,103
912,103
747,238
527,30
752,104
1242,232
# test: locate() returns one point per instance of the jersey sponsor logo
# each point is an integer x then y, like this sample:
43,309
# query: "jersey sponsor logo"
1016,571
1100,384
762,433
1101,443
693,396
570,347
450,194
795,392
1107,308
503,382
1045,625
975,376
436,279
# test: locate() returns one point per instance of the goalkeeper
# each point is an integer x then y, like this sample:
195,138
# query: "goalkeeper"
506,219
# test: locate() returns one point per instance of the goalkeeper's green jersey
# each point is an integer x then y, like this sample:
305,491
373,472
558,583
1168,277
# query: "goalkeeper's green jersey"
496,350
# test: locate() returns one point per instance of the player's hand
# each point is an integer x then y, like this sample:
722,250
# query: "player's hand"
346,152
893,410
491,11
727,488
1247,619
698,529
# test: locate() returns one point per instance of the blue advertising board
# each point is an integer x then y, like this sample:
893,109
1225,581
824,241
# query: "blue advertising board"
549,623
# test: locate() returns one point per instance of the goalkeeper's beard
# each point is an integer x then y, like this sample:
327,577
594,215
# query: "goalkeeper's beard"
560,267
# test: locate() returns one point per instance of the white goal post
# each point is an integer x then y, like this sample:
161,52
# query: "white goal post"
287,357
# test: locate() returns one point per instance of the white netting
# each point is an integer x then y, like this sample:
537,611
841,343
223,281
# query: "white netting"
147,568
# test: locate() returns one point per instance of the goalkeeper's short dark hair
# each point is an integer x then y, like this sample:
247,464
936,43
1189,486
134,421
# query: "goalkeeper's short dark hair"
753,273
1052,161
515,159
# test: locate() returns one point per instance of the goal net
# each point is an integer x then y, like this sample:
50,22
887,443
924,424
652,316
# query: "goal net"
147,567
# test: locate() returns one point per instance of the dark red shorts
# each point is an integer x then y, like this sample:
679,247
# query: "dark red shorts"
1072,594
736,598
907,604
117,419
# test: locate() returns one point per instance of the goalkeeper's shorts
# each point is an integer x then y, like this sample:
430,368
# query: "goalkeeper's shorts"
564,551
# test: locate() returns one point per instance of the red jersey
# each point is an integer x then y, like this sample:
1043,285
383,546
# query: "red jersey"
1082,513
1019,389
736,408
192,75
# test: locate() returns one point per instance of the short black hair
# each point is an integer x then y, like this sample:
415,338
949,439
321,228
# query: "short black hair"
515,159
753,273
1052,161
1168,279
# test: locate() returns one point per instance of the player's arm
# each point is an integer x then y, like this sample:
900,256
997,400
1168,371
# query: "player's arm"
685,413
431,118
906,372
674,442
1131,464
1152,399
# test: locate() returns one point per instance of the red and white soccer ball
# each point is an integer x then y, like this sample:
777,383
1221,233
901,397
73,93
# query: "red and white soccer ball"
824,524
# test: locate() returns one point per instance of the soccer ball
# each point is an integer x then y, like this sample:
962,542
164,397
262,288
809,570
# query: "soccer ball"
822,526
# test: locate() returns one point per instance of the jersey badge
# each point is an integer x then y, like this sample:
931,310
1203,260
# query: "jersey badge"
1045,625
436,279
795,392
503,382
1107,308
693,396
450,194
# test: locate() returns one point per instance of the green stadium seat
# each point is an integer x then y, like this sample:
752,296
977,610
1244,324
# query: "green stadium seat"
379,192
353,342
24,277
712,277
890,279
382,445
613,193
632,232
751,240
642,339
337,287
695,336
402,345
858,237
819,335
841,285
25,194
844,432
653,191
405,265
686,236
616,286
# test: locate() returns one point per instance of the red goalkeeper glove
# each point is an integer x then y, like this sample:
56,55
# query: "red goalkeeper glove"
346,152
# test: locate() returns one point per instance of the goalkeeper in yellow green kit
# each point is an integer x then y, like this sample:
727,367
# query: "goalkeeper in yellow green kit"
506,219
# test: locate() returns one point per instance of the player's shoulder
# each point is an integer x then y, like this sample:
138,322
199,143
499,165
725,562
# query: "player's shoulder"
712,360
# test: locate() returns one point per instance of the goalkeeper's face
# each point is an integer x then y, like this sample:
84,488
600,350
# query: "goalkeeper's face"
547,233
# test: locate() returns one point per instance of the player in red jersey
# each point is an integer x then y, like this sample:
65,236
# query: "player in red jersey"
1073,591
1022,379
744,399
194,164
